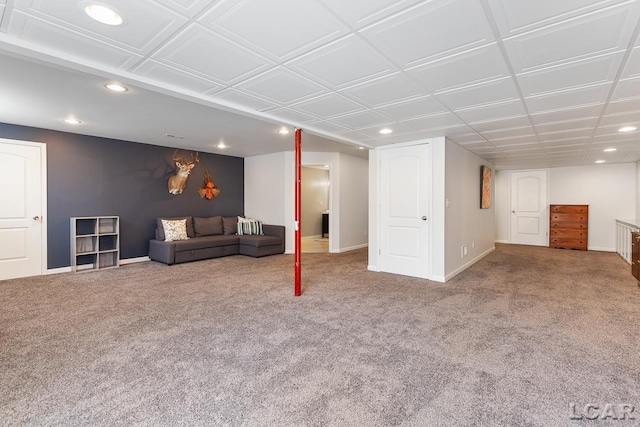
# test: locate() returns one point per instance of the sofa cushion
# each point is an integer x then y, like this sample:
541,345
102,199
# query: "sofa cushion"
205,242
207,226
175,230
190,231
249,226
257,241
229,225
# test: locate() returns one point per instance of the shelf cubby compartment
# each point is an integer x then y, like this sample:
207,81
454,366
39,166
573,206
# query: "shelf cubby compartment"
95,242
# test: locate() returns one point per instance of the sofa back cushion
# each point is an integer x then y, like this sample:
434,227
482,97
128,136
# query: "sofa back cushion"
160,229
207,226
230,225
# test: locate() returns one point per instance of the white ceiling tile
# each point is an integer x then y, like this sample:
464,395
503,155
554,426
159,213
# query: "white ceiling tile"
358,62
486,93
53,37
414,108
363,119
146,25
589,123
325,126
170,76
626,89
238,99
632,68
608,135
619,120
465,69
560,116
510,123
466,139
224,62
439,121
514,16
279,29
623,106
502,133
588,72
582,134
437,29
593,34
492,112
1,11
523,149
526,140
578,98
327,106
549,145
358,13
281,86
385,90
186,7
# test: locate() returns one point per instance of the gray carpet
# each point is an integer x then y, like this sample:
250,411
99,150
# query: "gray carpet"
512,341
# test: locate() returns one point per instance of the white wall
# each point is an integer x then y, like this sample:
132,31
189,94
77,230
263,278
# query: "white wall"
269,195
315,200
465,223
609,190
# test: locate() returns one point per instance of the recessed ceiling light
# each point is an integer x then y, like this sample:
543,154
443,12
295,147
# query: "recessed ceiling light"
360,148
221,145
599,161
103,14
609,150
283,131
386,131
72,121
116,87
627,129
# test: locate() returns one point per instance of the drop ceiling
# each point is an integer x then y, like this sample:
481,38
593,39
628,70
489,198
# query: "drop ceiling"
523,84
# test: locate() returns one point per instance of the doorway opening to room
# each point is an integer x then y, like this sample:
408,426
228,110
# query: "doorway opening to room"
315,208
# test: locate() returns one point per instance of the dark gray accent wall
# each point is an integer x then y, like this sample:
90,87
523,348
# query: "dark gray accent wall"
92,176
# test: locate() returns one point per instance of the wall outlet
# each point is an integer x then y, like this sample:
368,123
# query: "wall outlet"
464,250
461,251
473,244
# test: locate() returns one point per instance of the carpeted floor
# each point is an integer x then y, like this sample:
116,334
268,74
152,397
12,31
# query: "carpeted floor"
515,340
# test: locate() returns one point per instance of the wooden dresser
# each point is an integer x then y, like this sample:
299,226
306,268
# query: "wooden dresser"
635,255
568,226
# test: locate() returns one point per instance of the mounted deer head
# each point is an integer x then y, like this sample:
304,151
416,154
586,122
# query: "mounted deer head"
178,181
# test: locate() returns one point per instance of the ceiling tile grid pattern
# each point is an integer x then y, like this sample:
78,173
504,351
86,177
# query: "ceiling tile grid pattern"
520,83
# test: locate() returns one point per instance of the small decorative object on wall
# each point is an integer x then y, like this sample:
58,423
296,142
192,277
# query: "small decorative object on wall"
485,191
178,181
209,190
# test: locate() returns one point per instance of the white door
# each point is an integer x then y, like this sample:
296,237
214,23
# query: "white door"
404,191
22,233
529,208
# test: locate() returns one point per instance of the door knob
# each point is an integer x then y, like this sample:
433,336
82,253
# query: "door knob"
424,217
513,211
36,218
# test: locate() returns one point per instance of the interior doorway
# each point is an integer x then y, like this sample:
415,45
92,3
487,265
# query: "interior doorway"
315,208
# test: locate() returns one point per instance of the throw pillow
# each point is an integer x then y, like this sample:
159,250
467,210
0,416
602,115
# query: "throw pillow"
248,226
190,231
207,226
175,230
229,225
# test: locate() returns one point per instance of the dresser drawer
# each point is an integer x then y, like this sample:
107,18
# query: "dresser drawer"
575,209
575,233
555,217
568,243
567,225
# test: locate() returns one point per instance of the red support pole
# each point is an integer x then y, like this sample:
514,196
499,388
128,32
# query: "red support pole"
298,214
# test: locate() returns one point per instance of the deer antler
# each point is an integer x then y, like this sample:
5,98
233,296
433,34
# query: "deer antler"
195,159
177,158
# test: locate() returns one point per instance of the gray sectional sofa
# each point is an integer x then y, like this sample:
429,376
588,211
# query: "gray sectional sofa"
214,237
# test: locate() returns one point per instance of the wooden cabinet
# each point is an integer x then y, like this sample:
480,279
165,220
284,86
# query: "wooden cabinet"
635,255
95,242
568,226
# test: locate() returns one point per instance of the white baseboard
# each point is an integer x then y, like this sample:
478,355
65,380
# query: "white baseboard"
312,237
134,260
373,268
438,279
352,248
502,241
596,248
465,266
58,270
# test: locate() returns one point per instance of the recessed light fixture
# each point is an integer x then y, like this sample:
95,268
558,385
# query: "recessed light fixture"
103,14
326,166
283,131
72,121
386,131
116,87
221,145
360,148
609,150
599,161
627,129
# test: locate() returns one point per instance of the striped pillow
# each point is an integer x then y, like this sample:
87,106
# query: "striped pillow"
247,226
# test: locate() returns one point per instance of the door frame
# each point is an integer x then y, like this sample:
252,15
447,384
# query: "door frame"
43,196
378,190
